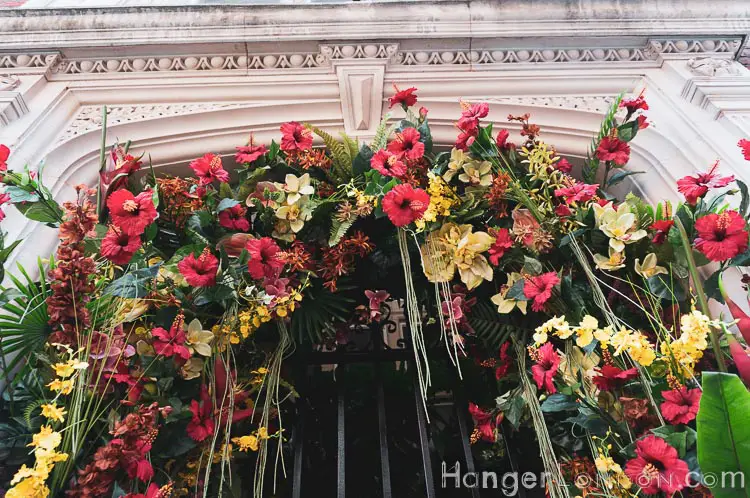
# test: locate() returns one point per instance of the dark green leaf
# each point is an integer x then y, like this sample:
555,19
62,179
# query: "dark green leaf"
745,202
723,432
362,161
226,204
133,284
559,402
619,176
627,131
516,291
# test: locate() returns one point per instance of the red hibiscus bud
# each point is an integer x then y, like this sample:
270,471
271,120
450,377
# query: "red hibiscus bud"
234,244
743,321
741,358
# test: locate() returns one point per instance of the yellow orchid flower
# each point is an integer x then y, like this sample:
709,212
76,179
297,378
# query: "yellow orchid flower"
649,268
296,188
456,163
615,261
620,227
198,340
477,173
505,305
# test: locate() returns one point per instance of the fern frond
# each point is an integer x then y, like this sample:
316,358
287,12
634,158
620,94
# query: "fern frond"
591,165
490,327
30,409
351,144
339,229
340,153
382,132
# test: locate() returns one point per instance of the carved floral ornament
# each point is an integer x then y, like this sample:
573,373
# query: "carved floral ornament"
8,83
326,55
708,66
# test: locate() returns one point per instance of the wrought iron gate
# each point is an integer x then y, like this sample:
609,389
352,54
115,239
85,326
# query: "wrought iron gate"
381,466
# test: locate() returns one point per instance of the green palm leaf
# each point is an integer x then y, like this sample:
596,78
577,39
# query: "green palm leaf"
24,323
491,327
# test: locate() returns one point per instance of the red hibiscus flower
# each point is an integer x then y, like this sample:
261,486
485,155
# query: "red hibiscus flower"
388,164
264,258
465,139
132,214
505,362
208,168
472,114
563,165
116,172
484,423
502,140
642,122
695,187
741,358
118,246
503,242
539,289
613,149
201,426
721,236
661,229
295,137
200,271
657,466
610,377
680,405
404,98
635,104
153,491
545,368
4,198
169,343
563,211
250,153
407,143
4,154
579,192
404,204
744,144
233,218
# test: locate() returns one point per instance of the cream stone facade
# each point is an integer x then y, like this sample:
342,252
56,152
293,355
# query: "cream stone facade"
183,80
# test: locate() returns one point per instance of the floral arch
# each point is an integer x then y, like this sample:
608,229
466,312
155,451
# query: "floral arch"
187,103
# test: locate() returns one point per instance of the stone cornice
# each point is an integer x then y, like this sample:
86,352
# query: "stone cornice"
324,57
478,19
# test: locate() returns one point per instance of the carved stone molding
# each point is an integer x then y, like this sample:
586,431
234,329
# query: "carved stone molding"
8,83
89,117
326,54
707,66
592,103
20,63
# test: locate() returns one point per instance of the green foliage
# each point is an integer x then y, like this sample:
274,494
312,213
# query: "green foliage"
723,431
382,133
342,154
490,326
591,165
320,309
23,323
339,229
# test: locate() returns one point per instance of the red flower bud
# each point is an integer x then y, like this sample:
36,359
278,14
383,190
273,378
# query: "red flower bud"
743,321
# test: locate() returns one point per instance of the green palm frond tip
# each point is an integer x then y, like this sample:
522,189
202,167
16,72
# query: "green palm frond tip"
591,165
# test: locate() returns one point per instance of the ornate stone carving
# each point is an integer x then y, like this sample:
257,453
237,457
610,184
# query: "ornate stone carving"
326,55
89,117
8,83
592,103
650,52
329,53
28,61
707,66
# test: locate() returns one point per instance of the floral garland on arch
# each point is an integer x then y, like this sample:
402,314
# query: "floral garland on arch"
147,361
